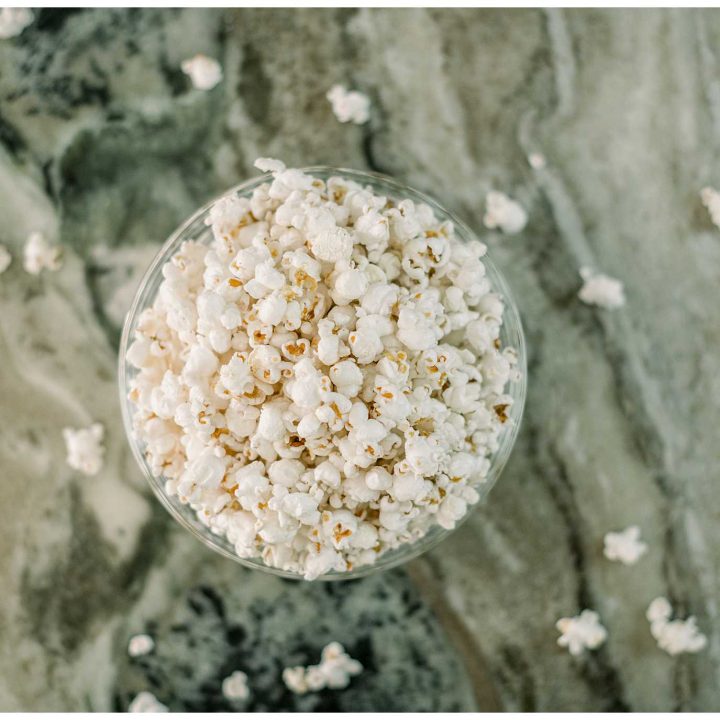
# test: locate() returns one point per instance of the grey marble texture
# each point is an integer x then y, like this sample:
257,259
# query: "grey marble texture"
106,148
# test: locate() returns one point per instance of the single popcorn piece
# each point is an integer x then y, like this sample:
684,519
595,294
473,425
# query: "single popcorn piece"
625,546
504,213
41,255
204,72
335,670
349,105
146,702
235,686
85,450
140,645
711,200
673,636
581,632
601,290
13,21
5,259
321,378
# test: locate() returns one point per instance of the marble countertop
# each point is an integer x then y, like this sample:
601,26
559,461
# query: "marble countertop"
106,148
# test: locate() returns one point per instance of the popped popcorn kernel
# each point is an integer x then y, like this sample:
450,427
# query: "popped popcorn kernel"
85,450
625,546
41,255
601,290
322,380
140,645
5,259
349,105
204,72
581,632
674,636
235,686
504,213
146,702
13,21
335,670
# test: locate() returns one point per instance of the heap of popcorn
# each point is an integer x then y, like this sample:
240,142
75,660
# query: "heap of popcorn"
325,381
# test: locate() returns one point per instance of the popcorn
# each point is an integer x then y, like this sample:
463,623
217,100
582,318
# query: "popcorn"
5,259
323,381
13,21
140,645
625,546
235,686
580,632
84,448
146,702
504,213
711,200
601,290
349,106
40,255
673,636
335,670
204,72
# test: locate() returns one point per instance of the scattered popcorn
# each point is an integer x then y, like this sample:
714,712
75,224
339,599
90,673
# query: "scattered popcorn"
5,259
235,686
13,21
334,671
711,200
625,546
140,645
204,72
537,161
504,213
673,636
41,255
601,290
146,702
349,106
85,450
323,381
580,632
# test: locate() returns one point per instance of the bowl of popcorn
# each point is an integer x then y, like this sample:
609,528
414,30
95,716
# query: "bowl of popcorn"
322,372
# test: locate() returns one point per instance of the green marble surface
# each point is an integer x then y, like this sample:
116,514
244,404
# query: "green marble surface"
105,147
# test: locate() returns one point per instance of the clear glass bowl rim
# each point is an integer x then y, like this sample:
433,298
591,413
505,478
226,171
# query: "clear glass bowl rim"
512,333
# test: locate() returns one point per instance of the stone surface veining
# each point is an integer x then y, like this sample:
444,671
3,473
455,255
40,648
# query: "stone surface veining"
105,147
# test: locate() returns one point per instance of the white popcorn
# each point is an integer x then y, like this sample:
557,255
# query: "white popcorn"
146,702
204,72
40,255
349,106
5,259
13,21
625,546
580,632
673,636
504,213
711,200
140,645
323,381
335,670
85,450
601,290
333,245
235,686
269,165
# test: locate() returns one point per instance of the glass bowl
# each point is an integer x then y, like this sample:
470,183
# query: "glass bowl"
194,228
